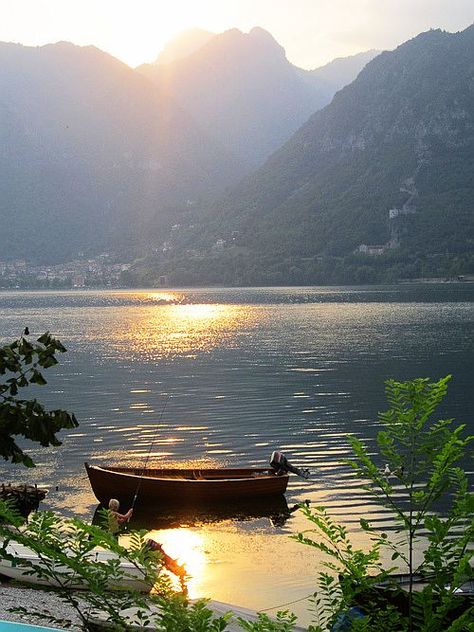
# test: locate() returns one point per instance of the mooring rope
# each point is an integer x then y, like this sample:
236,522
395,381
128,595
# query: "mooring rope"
288,603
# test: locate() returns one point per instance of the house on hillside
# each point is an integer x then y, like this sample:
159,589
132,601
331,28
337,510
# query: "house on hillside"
370,250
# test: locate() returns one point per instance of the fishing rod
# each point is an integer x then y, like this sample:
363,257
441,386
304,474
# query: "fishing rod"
149,452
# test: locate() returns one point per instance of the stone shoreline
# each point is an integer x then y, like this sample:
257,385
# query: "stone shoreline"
36,600
40,604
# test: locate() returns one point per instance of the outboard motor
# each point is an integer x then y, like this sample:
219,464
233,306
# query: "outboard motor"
281,465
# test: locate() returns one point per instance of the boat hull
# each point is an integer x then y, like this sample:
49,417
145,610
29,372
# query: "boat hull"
188,487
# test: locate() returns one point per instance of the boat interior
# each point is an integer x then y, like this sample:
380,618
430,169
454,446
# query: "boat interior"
194,474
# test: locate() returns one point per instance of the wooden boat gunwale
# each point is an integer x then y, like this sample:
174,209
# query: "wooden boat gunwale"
191,475
187,484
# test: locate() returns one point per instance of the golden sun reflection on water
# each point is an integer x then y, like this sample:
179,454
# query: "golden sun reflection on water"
233,565
169,330
187,547
163,297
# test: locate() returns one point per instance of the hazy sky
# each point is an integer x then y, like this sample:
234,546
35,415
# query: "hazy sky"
312,31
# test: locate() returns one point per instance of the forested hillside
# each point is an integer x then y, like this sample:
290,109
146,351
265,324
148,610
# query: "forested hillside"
91,156
379,185
94,156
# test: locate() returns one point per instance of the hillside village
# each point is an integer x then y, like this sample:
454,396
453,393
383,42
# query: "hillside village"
101,271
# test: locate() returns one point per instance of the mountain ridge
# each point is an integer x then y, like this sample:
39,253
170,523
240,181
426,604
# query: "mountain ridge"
387,166
241,89
183,45
343,70
88,144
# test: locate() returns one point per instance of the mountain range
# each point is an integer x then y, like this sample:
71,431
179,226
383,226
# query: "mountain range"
243,92
90,154
158,163
377,186
95,155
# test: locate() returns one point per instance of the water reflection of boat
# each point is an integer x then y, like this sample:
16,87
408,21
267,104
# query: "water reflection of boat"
173,515
184,486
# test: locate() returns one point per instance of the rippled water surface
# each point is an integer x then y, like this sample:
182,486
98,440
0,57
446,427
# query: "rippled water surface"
218,376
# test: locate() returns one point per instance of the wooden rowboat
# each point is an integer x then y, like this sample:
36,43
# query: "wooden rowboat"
183,486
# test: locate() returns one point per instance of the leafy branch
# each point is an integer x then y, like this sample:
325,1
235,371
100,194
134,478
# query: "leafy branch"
422,454
22,363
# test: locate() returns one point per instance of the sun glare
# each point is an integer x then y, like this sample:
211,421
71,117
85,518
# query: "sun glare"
201,312
187,547
162,25
165,327
166,298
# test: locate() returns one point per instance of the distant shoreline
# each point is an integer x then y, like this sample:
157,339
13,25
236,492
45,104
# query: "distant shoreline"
468,280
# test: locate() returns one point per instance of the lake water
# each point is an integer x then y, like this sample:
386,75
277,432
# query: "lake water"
224,377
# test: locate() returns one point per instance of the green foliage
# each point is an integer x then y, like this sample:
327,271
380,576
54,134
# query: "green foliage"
178,616
302,215
66,558
284,623
69,554
20,363
239,266
353,571
420,457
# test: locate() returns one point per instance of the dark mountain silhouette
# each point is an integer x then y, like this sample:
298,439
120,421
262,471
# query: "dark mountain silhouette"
91,155
385,170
